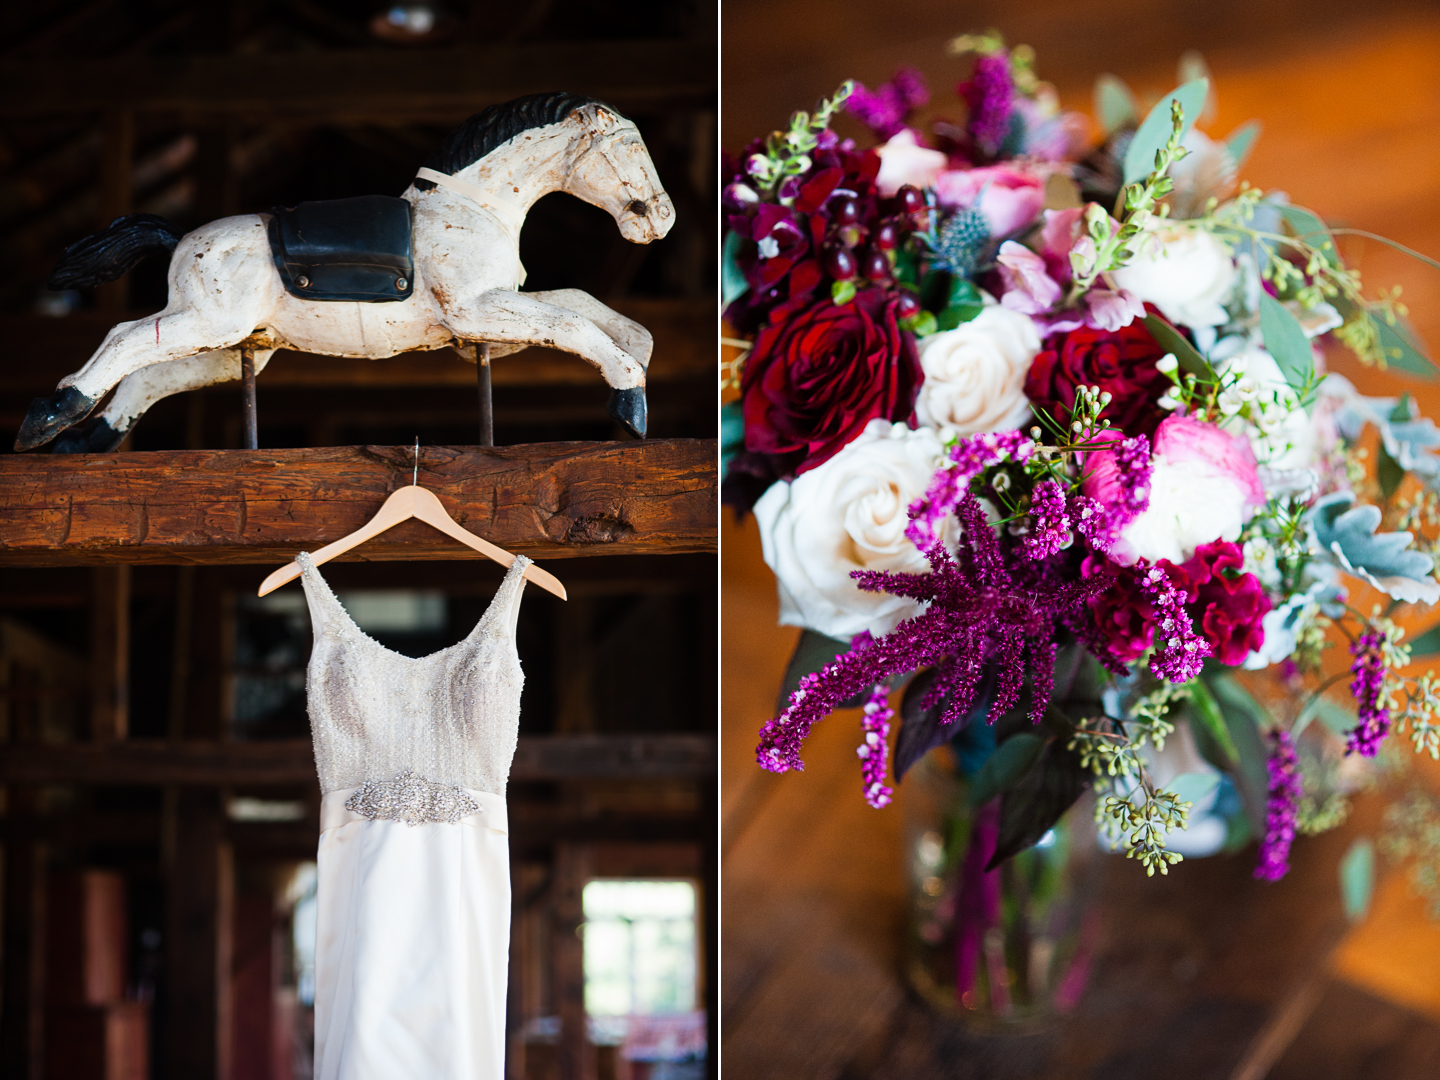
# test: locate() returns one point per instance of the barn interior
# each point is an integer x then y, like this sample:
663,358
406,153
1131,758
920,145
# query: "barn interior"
160,808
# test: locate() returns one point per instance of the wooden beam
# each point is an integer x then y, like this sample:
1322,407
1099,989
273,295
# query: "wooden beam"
292,761
40,350
545,500
365,86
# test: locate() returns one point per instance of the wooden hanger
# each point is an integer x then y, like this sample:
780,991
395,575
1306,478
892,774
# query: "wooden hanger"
408,502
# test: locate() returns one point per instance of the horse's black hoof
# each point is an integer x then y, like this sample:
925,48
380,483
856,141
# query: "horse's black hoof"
50,416
92,437
628,407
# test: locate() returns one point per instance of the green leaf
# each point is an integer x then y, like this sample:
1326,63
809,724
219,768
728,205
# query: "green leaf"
1286,342
812,652
1427,644
1388,472
1154,132
732,282
953,316
1176,343
1241,141
921,325
1357,878
1011,760
732,433
1205,711
1309,229
1038,798
1194,787
1403,350
842,292
1244,719
1115,105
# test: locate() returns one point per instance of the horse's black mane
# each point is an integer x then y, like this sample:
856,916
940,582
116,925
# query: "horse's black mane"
497,125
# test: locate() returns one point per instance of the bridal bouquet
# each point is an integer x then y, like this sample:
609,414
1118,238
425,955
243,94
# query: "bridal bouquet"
1047,426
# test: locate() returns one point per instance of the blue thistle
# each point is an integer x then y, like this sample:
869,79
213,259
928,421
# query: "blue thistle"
961,242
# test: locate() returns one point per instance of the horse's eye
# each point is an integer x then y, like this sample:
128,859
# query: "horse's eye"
635,206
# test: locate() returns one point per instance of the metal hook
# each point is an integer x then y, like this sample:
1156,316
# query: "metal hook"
415,476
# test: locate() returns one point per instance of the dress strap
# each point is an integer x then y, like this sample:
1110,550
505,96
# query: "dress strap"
325,606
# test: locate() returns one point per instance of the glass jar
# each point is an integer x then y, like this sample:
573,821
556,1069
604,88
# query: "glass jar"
1003,950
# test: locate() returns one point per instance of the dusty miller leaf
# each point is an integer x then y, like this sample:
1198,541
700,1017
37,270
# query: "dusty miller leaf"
1386,560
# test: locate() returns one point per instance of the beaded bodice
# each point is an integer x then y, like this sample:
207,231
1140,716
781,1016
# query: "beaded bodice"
450,718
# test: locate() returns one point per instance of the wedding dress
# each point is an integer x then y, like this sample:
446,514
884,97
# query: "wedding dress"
412,941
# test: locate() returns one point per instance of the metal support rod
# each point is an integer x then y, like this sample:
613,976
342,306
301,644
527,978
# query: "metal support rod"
487,408
247,382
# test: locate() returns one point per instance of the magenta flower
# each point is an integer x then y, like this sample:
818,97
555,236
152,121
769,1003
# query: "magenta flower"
885,109
990,93
1281,809
986,610
1367,687
874,751
968,458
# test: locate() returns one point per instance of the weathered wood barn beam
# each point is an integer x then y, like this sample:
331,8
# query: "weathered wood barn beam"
545,500
197,763
40,351
364,86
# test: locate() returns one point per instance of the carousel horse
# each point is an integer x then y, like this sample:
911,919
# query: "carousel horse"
233,287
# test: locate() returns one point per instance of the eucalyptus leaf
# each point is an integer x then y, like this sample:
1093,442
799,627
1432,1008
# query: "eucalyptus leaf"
1285,340
1241,141
1194,787
1115,105
732,282
1154,131
1427,644
1309,229
1011,760
1177,344
1386,560
1244,719
1388,472
1357,878
1402,348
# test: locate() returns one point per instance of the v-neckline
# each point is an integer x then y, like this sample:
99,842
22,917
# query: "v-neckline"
308,566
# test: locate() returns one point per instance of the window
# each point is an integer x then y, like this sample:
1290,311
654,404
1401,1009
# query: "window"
639,947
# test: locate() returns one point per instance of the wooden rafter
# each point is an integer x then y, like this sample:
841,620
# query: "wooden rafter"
545,500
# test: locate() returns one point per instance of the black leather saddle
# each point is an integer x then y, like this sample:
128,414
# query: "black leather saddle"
345,249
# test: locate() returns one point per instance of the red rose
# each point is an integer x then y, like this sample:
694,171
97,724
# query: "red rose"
814,380
1120,361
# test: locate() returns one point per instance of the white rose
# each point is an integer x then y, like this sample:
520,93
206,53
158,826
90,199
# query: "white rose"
975,373
1185,272
848,514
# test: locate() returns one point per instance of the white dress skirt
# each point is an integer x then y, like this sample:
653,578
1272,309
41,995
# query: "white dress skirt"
412,945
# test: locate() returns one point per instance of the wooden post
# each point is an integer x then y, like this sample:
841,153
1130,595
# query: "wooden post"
198,941
487,407
572,870
110,653
247,382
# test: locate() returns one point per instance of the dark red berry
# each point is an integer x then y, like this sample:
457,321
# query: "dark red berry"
907,305
847,211
911,199
840,264
887,236
874,265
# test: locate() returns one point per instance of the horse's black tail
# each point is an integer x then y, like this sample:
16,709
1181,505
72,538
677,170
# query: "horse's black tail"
106,255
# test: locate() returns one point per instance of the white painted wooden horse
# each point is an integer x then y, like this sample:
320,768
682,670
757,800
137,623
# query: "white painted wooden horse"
468,206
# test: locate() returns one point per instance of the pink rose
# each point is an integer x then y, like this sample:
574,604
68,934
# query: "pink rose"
1009,198
1028,288
904,161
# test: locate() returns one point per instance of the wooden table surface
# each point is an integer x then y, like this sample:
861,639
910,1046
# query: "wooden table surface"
1206,973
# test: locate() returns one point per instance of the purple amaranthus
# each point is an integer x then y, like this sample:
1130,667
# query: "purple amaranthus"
970,457
1280,810
885,109
1369,682
985,610
990,93
874,751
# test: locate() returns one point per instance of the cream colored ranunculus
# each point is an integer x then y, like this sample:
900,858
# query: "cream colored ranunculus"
1184,271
